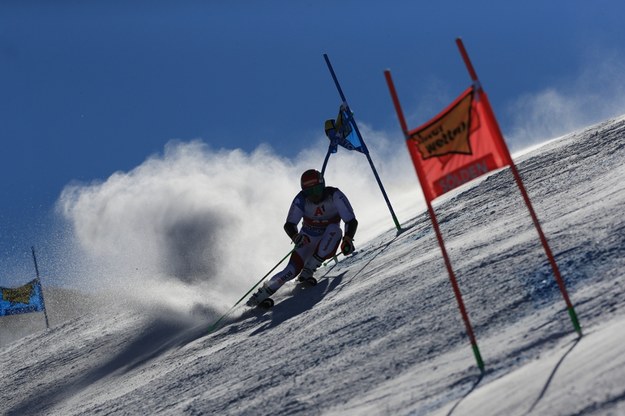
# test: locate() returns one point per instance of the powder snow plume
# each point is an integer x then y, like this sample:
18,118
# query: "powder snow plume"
597,92
199,226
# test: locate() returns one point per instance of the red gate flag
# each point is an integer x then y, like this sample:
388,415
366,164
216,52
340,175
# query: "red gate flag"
458,145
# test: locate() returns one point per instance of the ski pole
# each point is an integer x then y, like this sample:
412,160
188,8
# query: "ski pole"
216,324
334,258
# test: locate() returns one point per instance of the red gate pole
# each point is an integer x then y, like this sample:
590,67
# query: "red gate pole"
524,194
439,236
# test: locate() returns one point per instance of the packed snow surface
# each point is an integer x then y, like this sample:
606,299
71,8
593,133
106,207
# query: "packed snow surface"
381,333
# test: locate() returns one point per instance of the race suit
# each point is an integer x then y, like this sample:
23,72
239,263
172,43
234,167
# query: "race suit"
321,224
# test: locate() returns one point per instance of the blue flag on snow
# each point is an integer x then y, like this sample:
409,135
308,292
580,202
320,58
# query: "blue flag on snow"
342,132
24,299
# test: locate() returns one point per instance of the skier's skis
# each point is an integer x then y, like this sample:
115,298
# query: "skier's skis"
268,303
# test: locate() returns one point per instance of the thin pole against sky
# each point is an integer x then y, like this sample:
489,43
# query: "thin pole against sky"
45,311
366,151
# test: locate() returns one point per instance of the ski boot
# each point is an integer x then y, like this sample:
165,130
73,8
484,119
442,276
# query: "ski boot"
261,298
306,278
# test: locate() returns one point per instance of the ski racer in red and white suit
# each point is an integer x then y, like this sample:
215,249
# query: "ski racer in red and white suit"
321,210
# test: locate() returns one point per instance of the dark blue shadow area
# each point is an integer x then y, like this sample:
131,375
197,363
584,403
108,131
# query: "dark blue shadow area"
588,261
154,339
302,300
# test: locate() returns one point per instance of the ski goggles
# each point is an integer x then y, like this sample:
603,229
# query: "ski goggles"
315,190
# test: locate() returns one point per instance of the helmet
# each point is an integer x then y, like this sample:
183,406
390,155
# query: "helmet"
312,183
311,178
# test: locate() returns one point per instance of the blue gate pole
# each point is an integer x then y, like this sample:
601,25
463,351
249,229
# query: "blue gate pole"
45,311
366,151
325,161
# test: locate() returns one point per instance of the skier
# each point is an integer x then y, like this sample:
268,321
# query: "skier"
322,208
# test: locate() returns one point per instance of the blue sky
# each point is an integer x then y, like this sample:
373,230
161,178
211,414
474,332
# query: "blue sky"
88,88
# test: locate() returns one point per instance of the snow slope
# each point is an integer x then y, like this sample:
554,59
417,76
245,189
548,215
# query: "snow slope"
381,333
